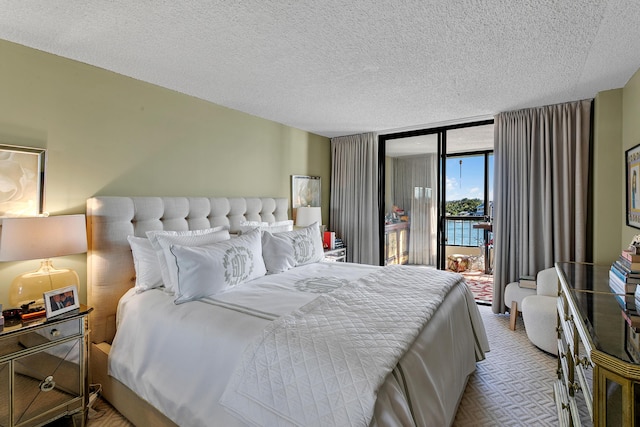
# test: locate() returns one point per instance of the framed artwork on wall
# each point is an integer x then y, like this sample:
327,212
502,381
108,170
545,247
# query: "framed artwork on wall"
305,191
632,162
21,181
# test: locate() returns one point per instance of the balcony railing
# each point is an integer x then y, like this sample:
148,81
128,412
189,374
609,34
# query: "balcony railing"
459,231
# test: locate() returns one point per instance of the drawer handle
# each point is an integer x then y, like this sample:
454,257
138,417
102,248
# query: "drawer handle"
584,362
55,333
558,328
47,384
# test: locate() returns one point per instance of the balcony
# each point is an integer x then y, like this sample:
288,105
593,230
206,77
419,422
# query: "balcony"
466,236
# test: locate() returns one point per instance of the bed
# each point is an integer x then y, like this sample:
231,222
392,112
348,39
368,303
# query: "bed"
204,361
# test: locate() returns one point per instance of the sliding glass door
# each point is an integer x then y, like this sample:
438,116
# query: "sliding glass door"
437,189
411,201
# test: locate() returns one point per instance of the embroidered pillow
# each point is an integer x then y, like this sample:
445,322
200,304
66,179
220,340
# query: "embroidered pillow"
145,263
282,251
161,240
207,270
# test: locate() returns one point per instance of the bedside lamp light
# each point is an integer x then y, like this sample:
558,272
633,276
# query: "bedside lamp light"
28,238
307,215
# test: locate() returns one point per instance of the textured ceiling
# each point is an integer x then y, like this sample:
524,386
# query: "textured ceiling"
336,68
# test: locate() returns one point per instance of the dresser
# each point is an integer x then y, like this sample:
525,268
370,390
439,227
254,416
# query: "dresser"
396,243
43,370
598,374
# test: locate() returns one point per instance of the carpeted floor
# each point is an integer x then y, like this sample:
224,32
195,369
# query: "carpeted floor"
513,386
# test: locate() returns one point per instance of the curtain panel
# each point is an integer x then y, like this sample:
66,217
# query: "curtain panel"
541,190
415,184
354,196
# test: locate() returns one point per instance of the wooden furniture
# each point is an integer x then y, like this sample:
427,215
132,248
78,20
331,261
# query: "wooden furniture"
337,255
43,369
396,243
597,368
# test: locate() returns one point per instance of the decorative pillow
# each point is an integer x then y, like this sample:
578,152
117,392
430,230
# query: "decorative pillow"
282,251
161,240
207,270
146,264
272,227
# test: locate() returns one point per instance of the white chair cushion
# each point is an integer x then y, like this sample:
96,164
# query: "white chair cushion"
539,313
547,282
513,292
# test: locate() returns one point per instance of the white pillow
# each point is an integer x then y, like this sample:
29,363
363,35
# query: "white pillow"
282,251
280,226
161,240
207,270
146,264
272,227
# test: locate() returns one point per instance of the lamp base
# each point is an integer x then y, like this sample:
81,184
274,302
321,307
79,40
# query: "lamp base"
31,286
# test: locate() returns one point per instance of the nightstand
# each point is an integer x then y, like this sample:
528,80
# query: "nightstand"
43,369
335,255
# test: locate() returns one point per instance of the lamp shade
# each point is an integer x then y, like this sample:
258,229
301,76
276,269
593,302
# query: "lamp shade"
42,237
307,215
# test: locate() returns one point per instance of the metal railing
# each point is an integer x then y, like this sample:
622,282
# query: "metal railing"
459,231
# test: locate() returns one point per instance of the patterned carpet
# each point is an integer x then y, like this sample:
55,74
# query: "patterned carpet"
513,386
481,285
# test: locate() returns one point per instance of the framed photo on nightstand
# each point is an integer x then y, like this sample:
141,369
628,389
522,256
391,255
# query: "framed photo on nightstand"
60,301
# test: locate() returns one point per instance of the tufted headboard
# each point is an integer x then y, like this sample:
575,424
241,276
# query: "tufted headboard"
110,271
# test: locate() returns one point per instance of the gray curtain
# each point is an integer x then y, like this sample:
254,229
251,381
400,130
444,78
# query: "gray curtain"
415,190
541,189
354,196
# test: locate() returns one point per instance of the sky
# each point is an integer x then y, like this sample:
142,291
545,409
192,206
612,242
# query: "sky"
467,180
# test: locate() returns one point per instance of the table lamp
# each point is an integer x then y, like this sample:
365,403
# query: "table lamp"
307,215
43,238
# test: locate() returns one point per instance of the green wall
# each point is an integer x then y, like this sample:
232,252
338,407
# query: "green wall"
616,129
630,138
608,202
107,134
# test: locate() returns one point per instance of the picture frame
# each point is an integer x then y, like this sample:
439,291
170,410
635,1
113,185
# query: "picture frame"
305,191
61,300
22,172
632,172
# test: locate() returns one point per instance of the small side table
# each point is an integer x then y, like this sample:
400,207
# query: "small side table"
335,255
43,369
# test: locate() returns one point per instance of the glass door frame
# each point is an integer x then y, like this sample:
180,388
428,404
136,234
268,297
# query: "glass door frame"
442,156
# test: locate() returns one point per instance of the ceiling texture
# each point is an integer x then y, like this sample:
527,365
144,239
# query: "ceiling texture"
336,67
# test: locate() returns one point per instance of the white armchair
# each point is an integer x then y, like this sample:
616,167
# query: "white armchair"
513,296
539,312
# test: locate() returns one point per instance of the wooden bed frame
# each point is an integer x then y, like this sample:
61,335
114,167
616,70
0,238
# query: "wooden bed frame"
110,270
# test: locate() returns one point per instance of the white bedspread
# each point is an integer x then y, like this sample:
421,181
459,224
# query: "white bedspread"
180,357
323,364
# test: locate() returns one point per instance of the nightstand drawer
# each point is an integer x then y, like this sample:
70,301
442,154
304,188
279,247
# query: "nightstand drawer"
33,338
45,380
43,366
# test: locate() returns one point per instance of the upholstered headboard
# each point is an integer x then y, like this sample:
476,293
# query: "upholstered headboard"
110,271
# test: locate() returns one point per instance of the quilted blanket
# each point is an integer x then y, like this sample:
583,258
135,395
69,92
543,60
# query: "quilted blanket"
323,364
